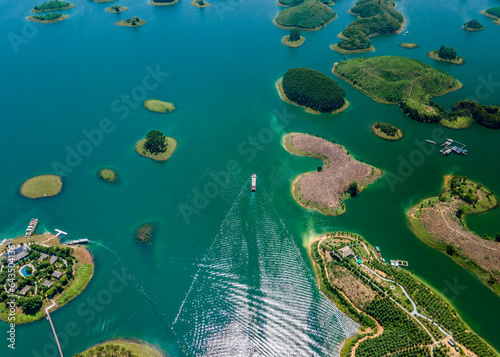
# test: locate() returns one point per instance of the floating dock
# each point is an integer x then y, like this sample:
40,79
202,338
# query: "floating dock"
451,145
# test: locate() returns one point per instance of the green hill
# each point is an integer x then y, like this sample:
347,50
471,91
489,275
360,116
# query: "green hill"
375,17
399,80
298,2
310,15
495,11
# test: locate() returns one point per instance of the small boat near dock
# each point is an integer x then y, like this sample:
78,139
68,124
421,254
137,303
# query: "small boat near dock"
430,142
78,241
254,182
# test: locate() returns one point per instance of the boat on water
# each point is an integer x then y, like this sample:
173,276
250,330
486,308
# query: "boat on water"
430,142
254,182
406,33
31,227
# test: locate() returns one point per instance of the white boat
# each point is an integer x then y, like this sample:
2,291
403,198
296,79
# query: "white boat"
31,227
254,182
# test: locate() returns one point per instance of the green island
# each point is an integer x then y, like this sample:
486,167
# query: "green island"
200,3
446,54
163,2
133,22
387,131
399,80
342,176
294,39
312,90
41,186
473,26
286,3
375,17
122,348
464,112
48,19
311,15
440,222
399,315
156,146
116,9
409,45
46,271
158,106
53,5
108,175
99,1
494,13
144,233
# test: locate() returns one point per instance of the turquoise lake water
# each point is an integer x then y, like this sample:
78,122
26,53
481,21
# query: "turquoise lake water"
233,278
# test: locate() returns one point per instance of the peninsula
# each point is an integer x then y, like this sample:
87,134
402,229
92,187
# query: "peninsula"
399,315
311,15
48,273
494,13
375,17
312,90
123,348
41,186
440,222
342,176
406,82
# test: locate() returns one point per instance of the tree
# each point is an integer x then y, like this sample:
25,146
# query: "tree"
497,238
450,249
294,35
447,53
29,270
201,2
155,142
353,188
320,169
31,304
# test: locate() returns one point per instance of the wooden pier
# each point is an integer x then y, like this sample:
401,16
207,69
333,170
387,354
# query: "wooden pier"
52,325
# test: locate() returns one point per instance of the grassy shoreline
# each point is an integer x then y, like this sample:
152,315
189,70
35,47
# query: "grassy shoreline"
195,4
381,134
70,6
163,3
138,347
304,28
434,55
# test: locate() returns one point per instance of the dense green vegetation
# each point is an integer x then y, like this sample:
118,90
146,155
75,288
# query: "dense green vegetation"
298,2
375,17
122,348
494,11
155,142
387,131
313,89
399,80
473,25
485,115
144,233
116,9
53,5
133,22
446,54
438,309
49,17
310,15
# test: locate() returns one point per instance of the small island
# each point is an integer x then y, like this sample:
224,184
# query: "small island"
133,22
48,19
398,313
156,146
409,45
374,18
387,131
200,3
46,271
108,175
312,90
99,1
287,3
342,176
41,186
294,39
409,83
116,9
473,26
53,5
144,234
440,222
494,13
158,106
123,348
311,15
446,54
163,2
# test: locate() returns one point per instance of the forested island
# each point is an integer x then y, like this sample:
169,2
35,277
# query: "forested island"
156,146
446,54
311,15
41,186
387,131
399,315
399,80
473,26
440,222
133,22
494,13
298,2
48,18
294,39
375,17
46,270
144,233
409,45
116,9
340,177
312,90
122,348
200,3
163,2
54,5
